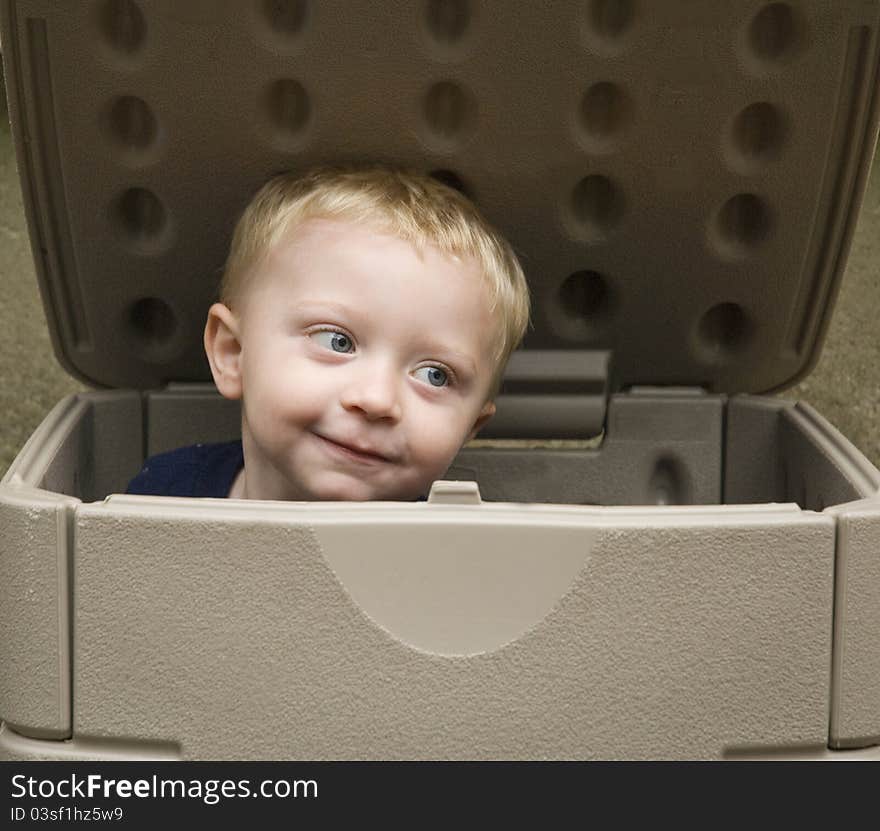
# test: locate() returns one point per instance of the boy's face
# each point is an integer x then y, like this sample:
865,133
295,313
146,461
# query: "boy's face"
363,365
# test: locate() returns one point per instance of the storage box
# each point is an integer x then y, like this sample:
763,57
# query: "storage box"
682,182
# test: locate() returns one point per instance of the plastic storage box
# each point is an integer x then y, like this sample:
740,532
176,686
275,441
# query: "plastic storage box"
682,180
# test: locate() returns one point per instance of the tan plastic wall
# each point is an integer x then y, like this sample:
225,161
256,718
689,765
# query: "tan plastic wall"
35,612
291,631
855,715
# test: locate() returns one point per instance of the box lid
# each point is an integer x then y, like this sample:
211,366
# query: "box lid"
681,179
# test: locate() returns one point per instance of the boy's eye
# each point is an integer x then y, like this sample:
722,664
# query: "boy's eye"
337,341
432,375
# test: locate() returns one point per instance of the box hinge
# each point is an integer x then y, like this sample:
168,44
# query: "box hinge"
552,394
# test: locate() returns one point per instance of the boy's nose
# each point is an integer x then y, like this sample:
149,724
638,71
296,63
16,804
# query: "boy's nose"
374,394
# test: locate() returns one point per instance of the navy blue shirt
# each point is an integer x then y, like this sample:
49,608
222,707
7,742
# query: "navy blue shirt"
197,470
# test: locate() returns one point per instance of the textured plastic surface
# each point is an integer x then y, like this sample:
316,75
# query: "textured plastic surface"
855,715
35,612
17,748
661,448
710,154
294,645
798,456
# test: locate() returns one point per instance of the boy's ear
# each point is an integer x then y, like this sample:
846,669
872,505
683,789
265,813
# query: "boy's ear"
485,414
223,348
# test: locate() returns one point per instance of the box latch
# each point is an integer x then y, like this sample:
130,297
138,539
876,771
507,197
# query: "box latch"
552,394
451,492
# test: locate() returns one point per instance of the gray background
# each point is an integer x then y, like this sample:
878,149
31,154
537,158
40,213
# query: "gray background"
844,386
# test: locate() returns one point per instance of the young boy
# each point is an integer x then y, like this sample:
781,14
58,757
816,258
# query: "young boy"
365,319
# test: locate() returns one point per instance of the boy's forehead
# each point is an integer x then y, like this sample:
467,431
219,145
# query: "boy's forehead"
306,245
301,266
313,237
343,234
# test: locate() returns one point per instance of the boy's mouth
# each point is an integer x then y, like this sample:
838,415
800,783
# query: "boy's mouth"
355,452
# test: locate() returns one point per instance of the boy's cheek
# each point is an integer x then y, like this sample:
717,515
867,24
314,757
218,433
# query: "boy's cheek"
273,405
438,444
282,384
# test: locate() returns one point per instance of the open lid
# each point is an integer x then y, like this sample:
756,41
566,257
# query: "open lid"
680,179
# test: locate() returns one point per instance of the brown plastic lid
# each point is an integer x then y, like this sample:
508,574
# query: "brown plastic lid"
681,179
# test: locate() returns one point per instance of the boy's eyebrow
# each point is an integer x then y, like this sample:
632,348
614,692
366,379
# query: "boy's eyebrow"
323,307
455,357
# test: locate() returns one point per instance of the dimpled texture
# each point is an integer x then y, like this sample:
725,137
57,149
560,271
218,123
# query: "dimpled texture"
667,150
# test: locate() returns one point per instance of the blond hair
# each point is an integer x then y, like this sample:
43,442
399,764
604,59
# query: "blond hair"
414,207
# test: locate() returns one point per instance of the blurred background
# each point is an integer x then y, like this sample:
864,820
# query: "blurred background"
844,386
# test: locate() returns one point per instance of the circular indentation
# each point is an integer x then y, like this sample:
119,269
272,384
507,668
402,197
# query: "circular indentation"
141,214
152,322
724,332
759,132
609,19
742,223
447,19
775,33
448,110
286,17
451,180
583,307
596,206
289,106
667,484
132,123
605,111
123,25
585,296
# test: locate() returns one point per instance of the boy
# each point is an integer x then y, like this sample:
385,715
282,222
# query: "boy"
365,319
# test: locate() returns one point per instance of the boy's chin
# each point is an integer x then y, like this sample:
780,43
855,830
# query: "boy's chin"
349,489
